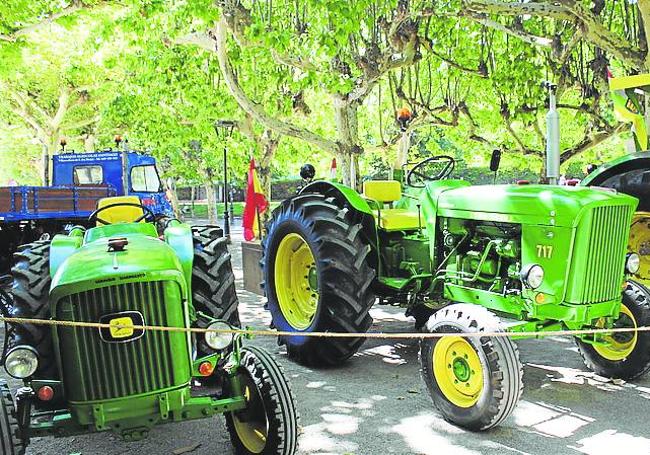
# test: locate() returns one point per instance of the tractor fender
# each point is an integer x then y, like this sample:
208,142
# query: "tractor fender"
63,246
629,174
179,237
340,192
347,196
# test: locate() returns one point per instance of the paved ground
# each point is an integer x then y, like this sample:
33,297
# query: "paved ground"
377,404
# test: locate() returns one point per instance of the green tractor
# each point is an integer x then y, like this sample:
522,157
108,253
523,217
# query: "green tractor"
128,272
459,258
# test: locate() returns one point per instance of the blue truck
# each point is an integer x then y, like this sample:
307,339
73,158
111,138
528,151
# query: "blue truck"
79,180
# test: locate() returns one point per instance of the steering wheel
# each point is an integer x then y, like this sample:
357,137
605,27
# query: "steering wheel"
94,217
446,162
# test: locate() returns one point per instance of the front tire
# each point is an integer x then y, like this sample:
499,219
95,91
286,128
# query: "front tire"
474,382
213,281
269,424
10,444
317,278
628,354
31,289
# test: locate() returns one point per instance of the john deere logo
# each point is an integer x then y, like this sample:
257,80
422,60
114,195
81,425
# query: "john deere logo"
121,327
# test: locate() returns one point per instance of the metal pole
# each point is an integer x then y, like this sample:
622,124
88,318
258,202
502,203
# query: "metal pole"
552,137
226,216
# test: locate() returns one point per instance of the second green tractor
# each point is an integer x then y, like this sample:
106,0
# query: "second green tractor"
459,258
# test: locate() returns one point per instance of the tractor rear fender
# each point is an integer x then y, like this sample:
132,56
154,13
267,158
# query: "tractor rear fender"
629,174
346,196
63,246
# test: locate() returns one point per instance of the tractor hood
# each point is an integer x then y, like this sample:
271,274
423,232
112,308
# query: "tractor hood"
528,204
144,258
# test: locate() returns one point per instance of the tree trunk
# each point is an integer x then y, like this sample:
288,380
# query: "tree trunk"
171,187
269,145
211,193
346,116
192,198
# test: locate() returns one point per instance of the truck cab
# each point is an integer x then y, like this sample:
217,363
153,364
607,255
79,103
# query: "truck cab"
127,173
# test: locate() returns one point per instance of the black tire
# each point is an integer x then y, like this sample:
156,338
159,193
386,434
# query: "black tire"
213,281
31,288
501,384
10,444
271,400
341,260
636,298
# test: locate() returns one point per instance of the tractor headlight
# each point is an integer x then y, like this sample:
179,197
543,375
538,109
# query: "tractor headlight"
532,276
219,340
21,362
632,263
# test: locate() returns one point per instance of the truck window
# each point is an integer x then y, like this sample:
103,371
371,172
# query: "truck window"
144,179
88,175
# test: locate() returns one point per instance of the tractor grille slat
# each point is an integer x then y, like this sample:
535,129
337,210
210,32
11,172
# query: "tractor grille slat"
603,272
99,370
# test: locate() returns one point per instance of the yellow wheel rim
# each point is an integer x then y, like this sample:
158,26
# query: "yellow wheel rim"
619,345
296,281
251,424
458,371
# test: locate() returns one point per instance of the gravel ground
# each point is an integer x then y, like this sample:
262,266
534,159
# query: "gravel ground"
377,404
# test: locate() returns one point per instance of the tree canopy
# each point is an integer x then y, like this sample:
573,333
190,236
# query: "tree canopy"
312,80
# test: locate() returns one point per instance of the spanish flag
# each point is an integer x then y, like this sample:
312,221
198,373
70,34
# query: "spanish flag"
256,205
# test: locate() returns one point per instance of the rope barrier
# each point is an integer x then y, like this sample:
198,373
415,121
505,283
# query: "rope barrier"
369,335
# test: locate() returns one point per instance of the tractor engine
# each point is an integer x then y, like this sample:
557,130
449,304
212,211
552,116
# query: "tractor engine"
484,255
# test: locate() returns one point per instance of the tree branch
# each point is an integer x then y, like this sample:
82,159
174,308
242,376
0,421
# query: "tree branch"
81,123
253,108
590,140
202,40
17,33
567,10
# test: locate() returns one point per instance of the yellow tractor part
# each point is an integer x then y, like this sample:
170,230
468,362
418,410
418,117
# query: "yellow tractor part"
458,370
120,213
253,430
620,345
640,244
390,219
296,281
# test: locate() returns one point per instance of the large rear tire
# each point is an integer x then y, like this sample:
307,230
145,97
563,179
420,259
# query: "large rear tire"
31,289
317,278
10,443
628,354
474,382
213,281
269,424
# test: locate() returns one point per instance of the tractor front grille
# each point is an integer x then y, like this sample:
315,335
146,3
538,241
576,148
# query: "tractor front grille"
605,255
94,369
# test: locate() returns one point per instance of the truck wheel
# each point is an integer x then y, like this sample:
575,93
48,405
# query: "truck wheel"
627,355
317,278
474,382
10,443
213,281
31,288
269,424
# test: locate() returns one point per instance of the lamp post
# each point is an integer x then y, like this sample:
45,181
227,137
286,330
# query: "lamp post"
224,129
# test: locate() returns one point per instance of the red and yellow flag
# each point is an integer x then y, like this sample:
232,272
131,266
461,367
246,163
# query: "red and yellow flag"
256,204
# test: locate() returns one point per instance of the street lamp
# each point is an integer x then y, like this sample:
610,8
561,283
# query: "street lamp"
224,129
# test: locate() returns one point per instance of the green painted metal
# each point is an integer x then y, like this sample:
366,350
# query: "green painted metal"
116,384
354,198
578,235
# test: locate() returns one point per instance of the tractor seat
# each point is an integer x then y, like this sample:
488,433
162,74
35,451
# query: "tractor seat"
121,213
389,219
